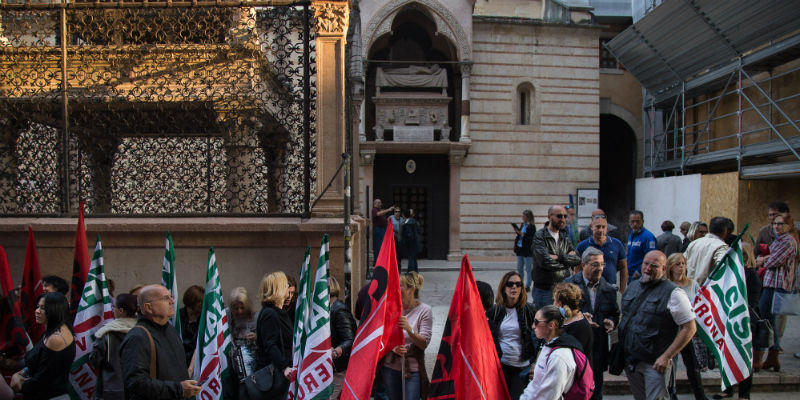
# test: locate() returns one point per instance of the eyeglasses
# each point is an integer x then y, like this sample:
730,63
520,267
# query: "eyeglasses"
597,264
559,215
599,216
510,284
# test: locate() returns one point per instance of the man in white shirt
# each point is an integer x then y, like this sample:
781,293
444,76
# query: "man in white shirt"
704,253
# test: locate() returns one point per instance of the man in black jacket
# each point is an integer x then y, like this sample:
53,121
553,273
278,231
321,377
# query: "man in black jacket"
553,256
171,376
599,304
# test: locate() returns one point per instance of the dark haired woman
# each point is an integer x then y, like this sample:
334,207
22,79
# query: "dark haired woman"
47,364
514,316
522,246
105,355
555,366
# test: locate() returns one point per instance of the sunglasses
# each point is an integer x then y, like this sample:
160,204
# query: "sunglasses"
512,284
599,216
536,322
560,215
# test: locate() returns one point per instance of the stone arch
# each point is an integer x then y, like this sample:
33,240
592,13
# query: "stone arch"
609,107
446,25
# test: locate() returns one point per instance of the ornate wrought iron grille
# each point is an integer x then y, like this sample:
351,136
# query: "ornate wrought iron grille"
156,108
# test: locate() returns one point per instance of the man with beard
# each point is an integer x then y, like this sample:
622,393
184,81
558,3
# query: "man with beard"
657,322
599,306
553,256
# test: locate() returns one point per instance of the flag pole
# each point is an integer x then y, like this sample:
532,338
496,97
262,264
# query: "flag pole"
403,374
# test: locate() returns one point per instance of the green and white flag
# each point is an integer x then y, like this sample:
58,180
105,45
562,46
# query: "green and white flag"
170,281
213,337
312,334
94,310
723,319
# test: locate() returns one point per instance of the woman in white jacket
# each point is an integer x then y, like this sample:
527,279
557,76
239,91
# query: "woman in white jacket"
555,365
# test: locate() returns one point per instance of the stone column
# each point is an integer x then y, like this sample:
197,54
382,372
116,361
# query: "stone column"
331,28
367,164
466,67
456,158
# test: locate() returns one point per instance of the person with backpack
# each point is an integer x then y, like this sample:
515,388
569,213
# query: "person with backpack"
562,370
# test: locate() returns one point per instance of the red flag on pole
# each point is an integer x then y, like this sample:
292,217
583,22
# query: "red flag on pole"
31,289
467,366
80,265
379,333
13,339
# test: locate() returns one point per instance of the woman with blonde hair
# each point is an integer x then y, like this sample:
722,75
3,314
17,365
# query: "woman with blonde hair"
676,272
417,323
567,297
274,330
241,318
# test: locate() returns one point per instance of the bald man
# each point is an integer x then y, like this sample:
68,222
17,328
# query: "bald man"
171,375
657,322
611,229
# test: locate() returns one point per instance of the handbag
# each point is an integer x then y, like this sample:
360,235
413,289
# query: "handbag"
616,359
762,331
785,303
266,383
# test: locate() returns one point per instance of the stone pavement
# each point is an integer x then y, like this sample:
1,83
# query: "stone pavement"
440,279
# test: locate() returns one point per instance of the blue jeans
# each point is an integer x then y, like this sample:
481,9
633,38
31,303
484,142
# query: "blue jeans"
525,265
394,384
377,241
541,297
765,308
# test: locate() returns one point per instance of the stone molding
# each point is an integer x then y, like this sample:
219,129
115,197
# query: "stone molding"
331,17
456,156
446,24
367,157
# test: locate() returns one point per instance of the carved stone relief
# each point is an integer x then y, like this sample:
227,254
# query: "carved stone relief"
331,17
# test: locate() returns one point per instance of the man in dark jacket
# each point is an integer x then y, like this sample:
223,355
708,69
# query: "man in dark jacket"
553,255
171,379
599,304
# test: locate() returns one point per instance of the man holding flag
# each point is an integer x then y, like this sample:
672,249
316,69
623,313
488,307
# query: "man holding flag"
723,320
379,333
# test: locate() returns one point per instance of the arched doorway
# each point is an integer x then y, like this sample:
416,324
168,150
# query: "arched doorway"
617,170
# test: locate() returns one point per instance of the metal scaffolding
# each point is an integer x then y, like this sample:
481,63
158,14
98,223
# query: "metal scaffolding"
721,86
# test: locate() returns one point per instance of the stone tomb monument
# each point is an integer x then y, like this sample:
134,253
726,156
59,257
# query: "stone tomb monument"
412,115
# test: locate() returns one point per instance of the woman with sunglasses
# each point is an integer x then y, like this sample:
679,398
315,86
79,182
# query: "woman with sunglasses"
514,316
417,323
555,367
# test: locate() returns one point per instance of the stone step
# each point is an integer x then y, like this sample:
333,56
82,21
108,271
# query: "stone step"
784,381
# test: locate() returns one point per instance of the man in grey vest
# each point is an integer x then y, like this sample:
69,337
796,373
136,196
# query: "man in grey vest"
657,322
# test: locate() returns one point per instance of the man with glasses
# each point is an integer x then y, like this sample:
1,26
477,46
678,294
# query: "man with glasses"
766,235
170,378
657,322
612,249
599,306
610,231
640,242
553,254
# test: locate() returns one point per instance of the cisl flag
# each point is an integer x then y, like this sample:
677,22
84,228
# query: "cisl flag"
94,310
213,337
170,281
467,366
723,319
379,333
312,332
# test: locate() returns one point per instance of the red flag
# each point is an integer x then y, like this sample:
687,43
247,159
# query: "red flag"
80,265
379,333
467,366
13,338
31,289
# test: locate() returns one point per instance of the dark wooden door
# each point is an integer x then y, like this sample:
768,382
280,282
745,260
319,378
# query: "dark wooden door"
427,190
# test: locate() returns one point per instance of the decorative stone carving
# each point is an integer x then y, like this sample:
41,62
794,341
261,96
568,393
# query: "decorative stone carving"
367,157
456,157
331,17
446,24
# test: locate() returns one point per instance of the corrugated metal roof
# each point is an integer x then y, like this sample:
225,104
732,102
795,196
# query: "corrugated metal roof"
683,39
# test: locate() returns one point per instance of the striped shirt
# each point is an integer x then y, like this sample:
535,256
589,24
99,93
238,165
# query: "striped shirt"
781,263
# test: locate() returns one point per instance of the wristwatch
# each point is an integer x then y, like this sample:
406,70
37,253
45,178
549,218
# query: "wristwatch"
412,331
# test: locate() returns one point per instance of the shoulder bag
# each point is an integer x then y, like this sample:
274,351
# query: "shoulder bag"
267,382
152,352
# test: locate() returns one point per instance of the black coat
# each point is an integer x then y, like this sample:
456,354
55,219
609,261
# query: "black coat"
274,337
547,271
525,315
170,362
527,241
605,307
343,330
